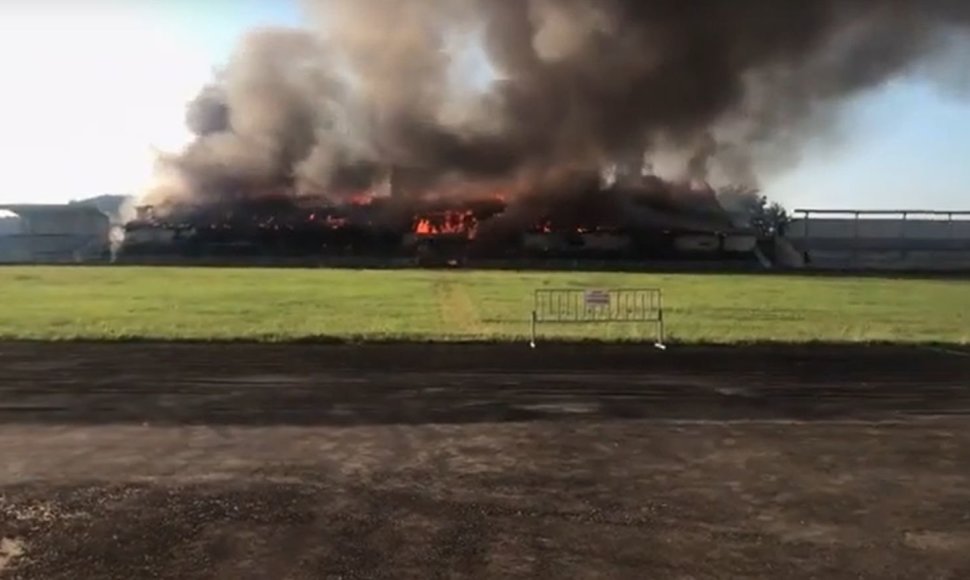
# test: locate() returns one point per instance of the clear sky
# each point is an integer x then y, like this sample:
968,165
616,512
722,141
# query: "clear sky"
90,86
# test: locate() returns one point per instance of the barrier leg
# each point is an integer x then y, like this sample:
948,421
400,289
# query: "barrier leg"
661,333
532,343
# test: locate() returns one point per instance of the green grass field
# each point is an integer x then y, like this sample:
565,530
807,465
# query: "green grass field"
63,303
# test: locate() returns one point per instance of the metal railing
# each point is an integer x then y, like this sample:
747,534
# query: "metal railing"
631,306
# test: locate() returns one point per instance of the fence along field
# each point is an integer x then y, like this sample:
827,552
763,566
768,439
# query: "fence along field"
64,303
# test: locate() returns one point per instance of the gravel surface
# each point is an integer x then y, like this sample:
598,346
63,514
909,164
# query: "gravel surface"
476,461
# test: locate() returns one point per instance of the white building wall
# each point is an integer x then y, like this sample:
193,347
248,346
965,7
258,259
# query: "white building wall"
927,230
828,228
56,234
961,229
878,229
880,244
10,223
58,223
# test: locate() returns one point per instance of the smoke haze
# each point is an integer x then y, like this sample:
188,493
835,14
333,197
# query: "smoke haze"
691,90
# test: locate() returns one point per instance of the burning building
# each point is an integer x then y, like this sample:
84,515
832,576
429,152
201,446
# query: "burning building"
528,126
644,219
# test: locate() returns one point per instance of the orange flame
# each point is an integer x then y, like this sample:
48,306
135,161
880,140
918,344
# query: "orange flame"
364,198
448,223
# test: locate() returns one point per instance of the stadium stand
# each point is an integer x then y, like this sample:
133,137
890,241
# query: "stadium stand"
906,240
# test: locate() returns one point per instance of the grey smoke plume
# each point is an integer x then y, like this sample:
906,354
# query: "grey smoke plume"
513,93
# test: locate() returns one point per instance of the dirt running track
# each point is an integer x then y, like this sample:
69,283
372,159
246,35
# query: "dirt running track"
245,461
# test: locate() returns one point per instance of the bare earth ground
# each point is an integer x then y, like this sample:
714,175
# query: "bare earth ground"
246,461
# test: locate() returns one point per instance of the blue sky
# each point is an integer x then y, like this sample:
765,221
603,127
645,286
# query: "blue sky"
91,86
904,146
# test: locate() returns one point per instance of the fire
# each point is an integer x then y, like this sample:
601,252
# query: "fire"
362,199
447,223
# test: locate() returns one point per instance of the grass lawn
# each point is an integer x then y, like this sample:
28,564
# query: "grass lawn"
278,305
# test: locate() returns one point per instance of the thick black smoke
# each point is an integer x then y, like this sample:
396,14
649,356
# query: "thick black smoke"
514,93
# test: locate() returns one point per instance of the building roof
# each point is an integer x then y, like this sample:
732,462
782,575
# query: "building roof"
35,209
